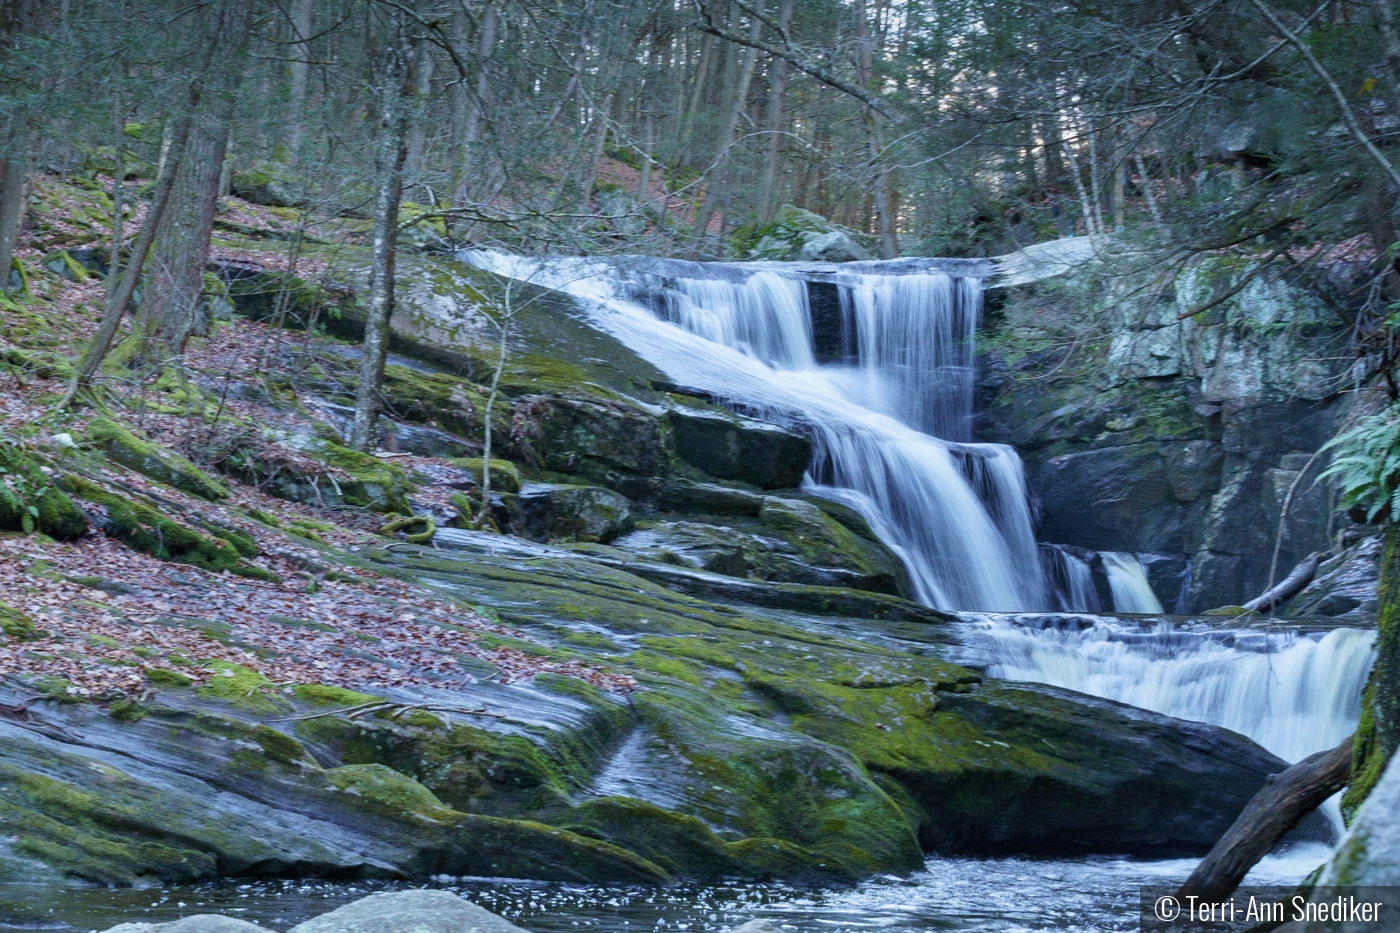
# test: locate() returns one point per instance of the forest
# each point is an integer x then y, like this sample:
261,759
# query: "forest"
727,464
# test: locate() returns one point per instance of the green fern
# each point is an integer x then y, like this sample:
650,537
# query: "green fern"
1367,464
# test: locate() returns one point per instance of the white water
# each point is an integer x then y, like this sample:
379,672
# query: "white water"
1293,693
1127,578
957,514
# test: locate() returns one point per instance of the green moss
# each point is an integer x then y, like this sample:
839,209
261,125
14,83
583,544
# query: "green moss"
127,711
31,501
80,834
17,626
324,695
385,789
280,746
439,399
143,528
505,476
163,677
164,466
242,687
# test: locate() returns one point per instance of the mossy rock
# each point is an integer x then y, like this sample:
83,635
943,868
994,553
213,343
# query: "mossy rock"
17,626
144,529
730,446
30,500
164,466
505,476
268,183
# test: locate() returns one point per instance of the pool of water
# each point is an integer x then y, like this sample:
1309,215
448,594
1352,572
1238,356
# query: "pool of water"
1003,895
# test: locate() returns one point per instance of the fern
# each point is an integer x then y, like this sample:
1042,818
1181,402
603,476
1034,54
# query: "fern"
1367,464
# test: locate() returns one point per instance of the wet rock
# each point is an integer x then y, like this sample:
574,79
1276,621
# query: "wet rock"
573,513
200,923
689,497
1112,499
1369,853
591,437
406,912
730,446
1346,586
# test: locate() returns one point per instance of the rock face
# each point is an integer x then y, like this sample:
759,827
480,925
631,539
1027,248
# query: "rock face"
730,446
1185,436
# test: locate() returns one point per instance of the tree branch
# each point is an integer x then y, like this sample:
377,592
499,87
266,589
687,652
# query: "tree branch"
706,24
1347,115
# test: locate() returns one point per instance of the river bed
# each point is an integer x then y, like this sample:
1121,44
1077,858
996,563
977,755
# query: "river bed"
1002,895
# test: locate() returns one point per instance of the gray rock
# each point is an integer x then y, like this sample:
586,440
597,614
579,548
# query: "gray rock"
201,923
730,446
1112,499
407,912
575,513
757,926
834,246
1345,586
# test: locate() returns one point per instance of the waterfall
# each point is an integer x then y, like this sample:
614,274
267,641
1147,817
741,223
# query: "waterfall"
1295,693
1127,578
955,513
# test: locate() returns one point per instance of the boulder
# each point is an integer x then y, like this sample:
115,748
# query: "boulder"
270,184
405,912
730,446
593,437
199,923
1369,853
574,513
25,487
834,246
1346,586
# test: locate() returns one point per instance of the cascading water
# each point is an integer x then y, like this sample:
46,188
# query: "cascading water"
956,513
889,423
1127,578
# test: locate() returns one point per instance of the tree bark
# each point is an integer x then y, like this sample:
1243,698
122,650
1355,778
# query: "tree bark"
172,309
1291,586
392,152
875,143
1281,805
301,72
777,90
486,47
14,185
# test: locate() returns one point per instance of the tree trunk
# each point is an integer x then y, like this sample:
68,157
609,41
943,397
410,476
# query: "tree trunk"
301,71
777,90
392,152
1291,586
172,306
486,47
875,143
13,189
1281,805
119,297
424,87
740,92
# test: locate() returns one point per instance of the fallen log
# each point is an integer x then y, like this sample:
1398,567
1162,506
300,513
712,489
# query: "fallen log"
1283,803
1291,586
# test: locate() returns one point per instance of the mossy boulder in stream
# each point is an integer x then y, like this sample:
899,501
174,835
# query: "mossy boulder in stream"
572,513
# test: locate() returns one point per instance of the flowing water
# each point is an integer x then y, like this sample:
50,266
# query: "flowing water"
889,412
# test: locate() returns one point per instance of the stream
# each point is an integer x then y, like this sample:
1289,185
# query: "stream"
1010,895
